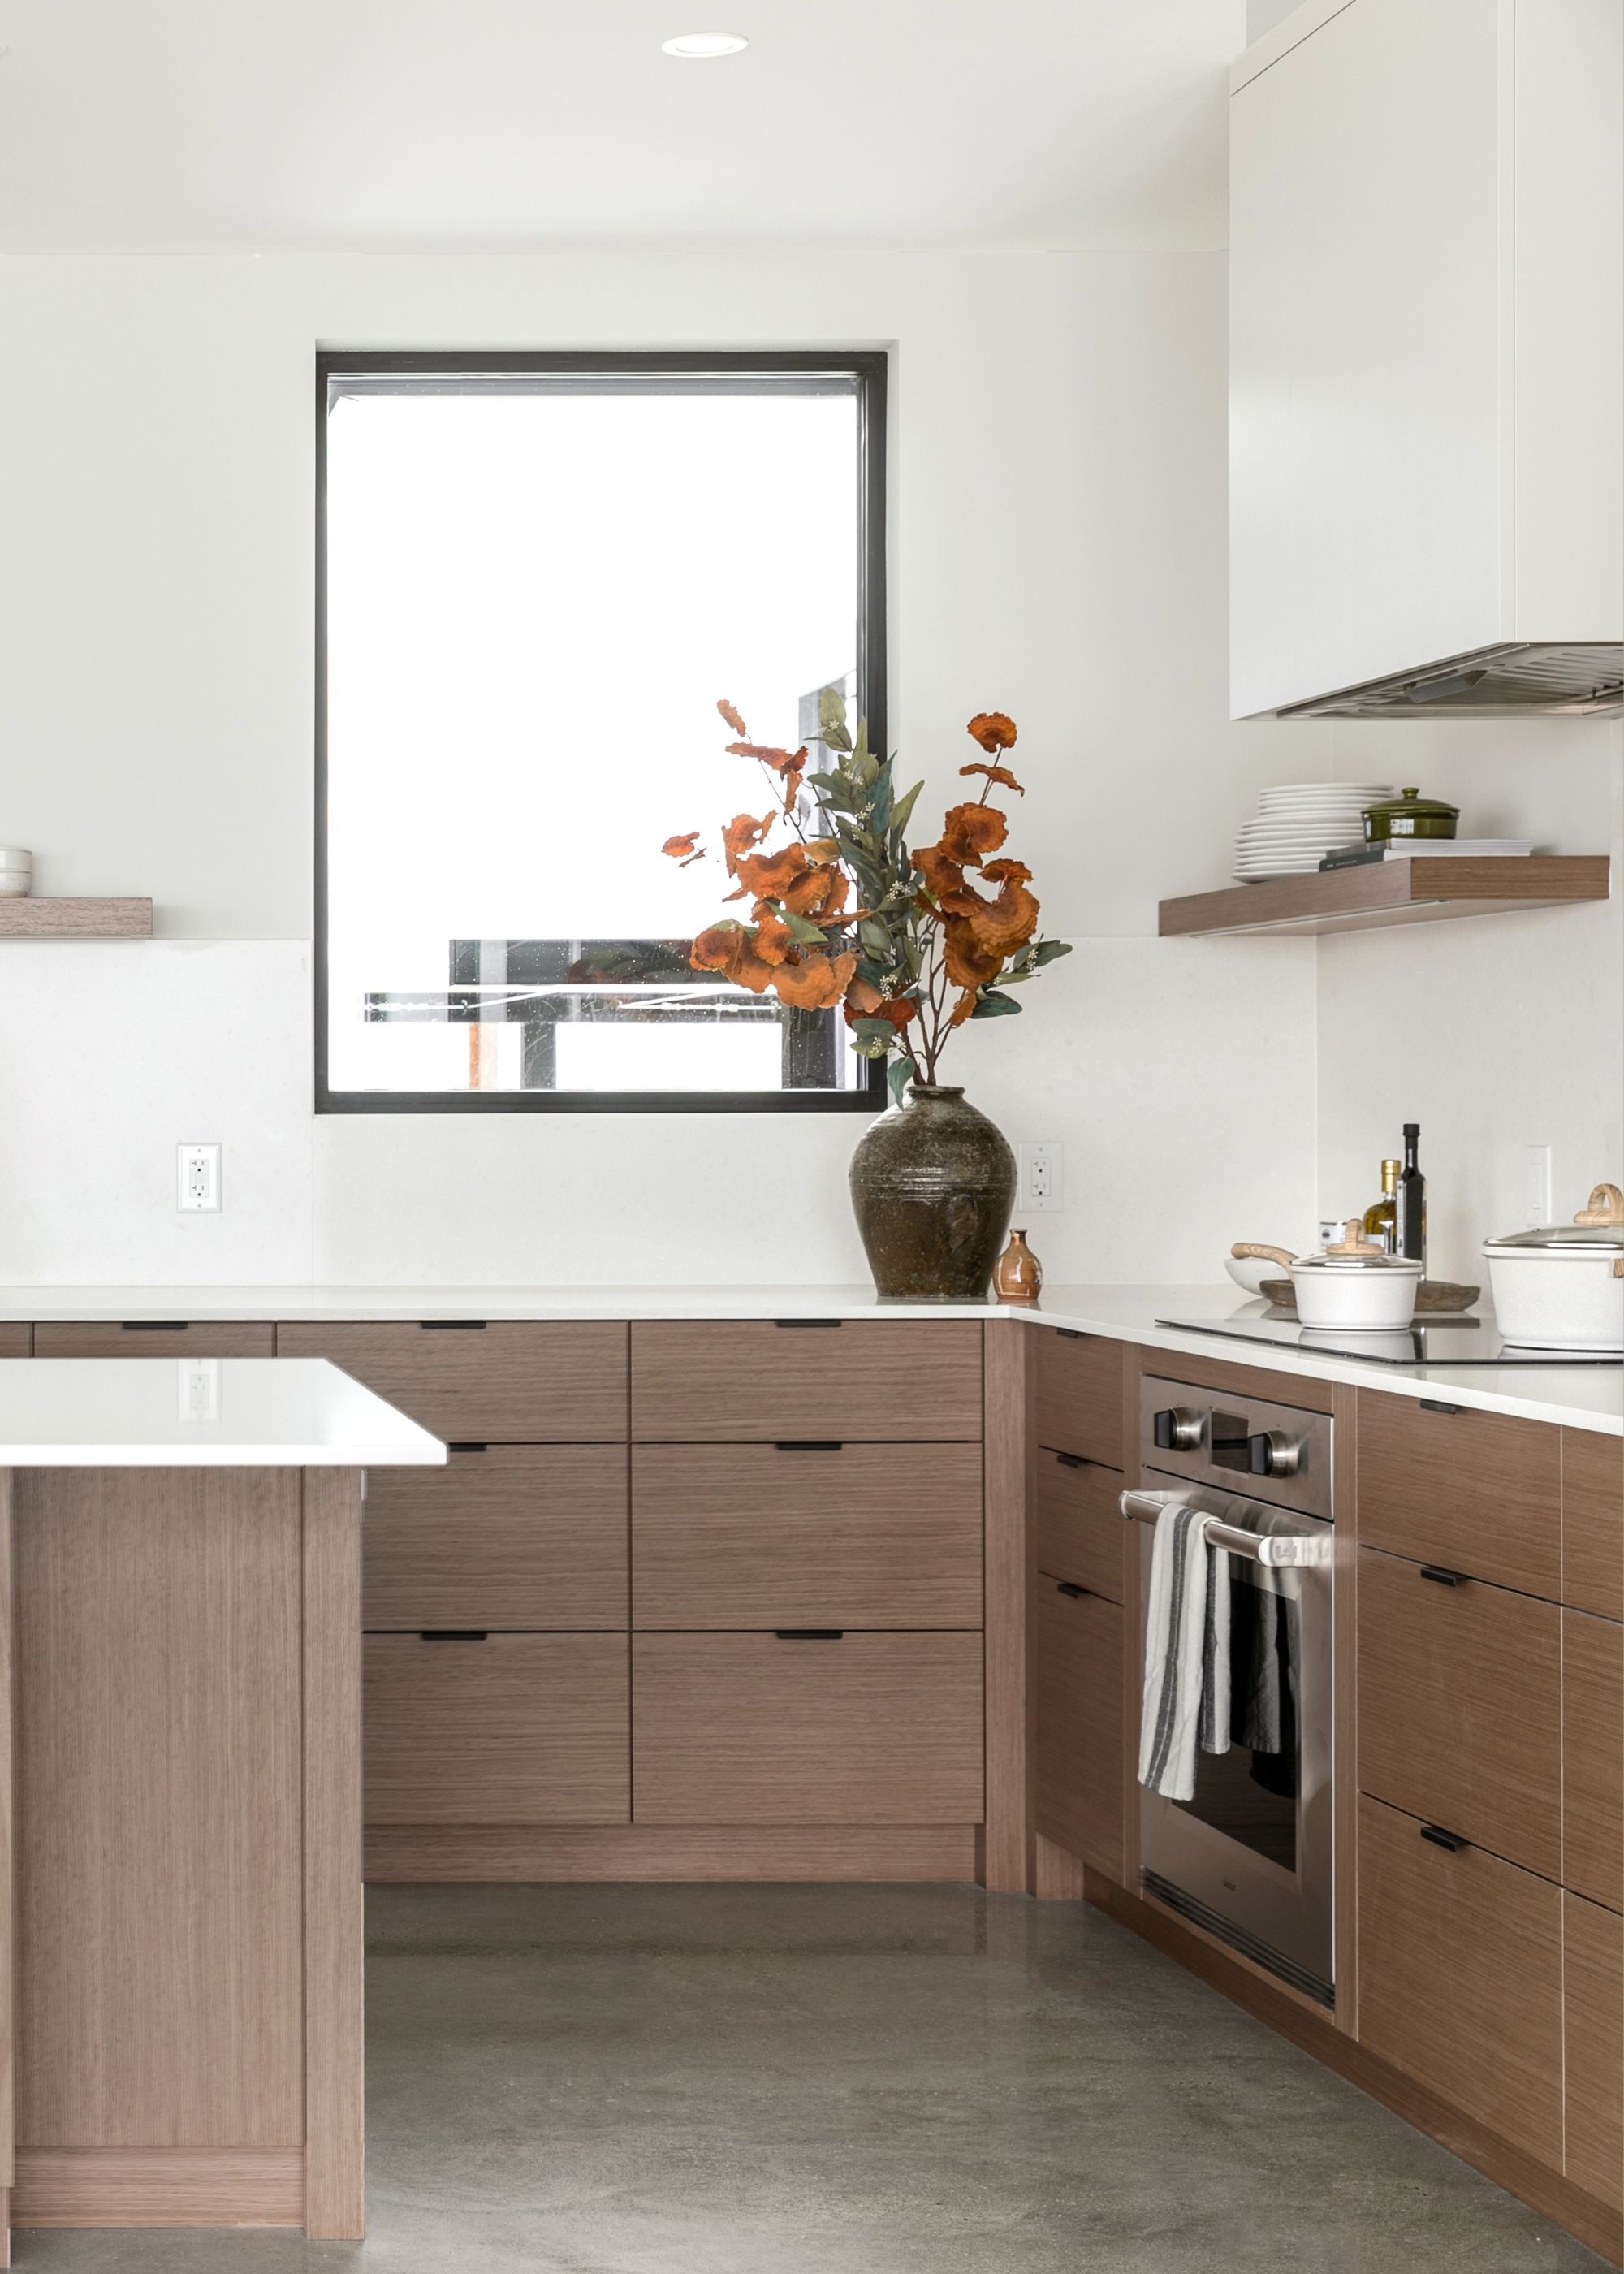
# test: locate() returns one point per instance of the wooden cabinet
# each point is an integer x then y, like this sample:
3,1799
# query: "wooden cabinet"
1593,1758
513,1537
1477,1493
1460,1977
1593,1521
154,1338
759,1536
1077,1644
515,1729
1078,1529
854,1381
1593,1999
16,1338
1077,1399
516,1381
1461,1707
763,1729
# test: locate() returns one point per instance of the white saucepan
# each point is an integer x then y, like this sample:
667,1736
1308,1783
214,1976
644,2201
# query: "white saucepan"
1353,1284
1562,1286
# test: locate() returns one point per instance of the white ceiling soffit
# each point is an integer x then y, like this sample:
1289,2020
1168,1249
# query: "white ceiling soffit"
393,124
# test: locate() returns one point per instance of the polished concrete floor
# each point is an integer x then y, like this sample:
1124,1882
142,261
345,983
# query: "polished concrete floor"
843,2080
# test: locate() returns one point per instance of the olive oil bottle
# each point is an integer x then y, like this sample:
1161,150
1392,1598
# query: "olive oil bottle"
1381,1217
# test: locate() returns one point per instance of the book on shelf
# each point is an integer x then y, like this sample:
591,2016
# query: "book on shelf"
1428,848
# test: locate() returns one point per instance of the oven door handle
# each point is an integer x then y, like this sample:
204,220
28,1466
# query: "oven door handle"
1274,1548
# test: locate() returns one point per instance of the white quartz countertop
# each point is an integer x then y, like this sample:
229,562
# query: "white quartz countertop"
199,1414
1572,1397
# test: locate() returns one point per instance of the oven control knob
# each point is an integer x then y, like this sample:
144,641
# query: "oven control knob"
1178,1429
1274,1454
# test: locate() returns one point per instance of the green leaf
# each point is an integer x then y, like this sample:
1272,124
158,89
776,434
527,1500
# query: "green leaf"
989,1004
802,929
874,1030
874,936
831,718
898,1078
902,811
1046,950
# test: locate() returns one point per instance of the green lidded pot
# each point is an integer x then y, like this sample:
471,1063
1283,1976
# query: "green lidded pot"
1408,814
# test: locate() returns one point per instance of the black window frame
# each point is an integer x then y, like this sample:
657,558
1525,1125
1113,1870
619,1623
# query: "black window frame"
870,368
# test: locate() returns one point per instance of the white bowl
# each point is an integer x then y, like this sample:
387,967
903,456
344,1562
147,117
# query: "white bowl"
1251,1271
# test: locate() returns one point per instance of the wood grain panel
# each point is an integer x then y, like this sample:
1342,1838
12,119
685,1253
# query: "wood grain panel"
1593,1758
1004,1842
201,1338
642,1852
1344,1707
1593,1523
1227,1380
858,1381
159,2187
749,1536
1078,1648
873,1729
1078,1529
1461,1708
1479,1492
1593,2001
159,1902
28,917
8,2045
1416,889
16,1338
1460,1977
521,1536
335,1910
521,1382
516,1729
1076,1393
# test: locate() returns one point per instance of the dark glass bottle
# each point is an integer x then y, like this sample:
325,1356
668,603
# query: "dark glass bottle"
1412,1201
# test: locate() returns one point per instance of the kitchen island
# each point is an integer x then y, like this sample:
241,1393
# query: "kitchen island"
180,1820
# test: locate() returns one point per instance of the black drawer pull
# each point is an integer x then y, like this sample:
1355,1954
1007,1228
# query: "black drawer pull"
1071,1460
452,1325
155,1326
1071,1334
810,1634
466,1445
1069,1587
1437,1406
1441,1838
808,1445
1440,1577
453,1634
788,1323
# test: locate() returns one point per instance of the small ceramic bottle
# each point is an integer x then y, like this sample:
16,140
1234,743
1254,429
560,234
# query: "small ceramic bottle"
1017,1274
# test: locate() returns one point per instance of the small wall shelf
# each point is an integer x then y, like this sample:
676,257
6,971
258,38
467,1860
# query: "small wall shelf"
42,919
1418,890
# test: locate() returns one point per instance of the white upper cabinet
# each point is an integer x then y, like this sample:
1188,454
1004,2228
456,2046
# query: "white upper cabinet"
1426,312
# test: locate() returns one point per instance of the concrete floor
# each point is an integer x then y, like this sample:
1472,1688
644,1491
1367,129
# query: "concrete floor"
843,2080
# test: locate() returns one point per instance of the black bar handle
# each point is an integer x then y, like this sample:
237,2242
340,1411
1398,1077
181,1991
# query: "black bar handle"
810,1634
453,1634
1071,1460
787,1323
1068,1587
466,1445
1442,1839
1072,1334
1438,1406
155,1326
1440,1577
808,1445
452,1325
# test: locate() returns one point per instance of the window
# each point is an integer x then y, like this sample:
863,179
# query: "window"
537,575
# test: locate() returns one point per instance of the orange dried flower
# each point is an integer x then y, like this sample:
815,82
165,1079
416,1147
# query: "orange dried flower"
774,940
993,731
732,717
681,849
730,949
943,875
820,894
994,774
967,961
770,876
1001,926
864,1000
813,982
782,762
742,832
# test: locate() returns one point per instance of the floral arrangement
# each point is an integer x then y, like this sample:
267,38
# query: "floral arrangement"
923,949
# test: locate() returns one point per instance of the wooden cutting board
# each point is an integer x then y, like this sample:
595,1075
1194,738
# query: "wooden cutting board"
1434,1298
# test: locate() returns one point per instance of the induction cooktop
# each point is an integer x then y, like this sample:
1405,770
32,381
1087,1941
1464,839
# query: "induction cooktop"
1469,1340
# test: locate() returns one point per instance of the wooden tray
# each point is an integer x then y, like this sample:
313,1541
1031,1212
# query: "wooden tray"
1434,1298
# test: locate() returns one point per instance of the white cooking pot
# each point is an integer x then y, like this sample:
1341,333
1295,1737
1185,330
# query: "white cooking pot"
1354,1283
1562,1286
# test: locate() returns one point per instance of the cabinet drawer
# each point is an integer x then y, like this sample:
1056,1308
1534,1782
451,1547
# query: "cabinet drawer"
142,1338
515,1729
526,1537
857,1380
1078,1644
1461,1708
1077,1395
758,1536
1477,1492
16,1338
1460,1977
526,1383
755,1728
1593,1523
1593,1996
1593,1758
1078,1529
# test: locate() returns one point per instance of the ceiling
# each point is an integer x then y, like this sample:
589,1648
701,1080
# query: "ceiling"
497,125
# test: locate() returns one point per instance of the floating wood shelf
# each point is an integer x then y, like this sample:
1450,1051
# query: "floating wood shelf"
1417,891
31,919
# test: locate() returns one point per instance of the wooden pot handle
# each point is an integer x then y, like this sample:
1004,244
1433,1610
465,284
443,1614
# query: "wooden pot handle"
1246,1247
1606,1205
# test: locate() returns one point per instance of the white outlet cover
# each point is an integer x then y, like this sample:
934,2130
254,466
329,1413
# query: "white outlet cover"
197,1179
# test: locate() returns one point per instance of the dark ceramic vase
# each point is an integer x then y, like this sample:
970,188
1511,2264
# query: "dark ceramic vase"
933,1185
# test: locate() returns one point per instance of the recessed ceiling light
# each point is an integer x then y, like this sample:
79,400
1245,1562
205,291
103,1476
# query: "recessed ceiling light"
704,47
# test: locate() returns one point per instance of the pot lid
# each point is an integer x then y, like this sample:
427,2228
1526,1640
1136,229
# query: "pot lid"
1409,805
1599,1226
1354,1252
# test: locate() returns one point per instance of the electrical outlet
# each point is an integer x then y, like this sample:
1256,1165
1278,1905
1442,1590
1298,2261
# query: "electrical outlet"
1040,1178
1537,1191
199,1389
198,1178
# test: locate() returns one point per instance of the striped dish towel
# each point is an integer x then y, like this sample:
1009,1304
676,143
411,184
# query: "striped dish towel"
1186,1652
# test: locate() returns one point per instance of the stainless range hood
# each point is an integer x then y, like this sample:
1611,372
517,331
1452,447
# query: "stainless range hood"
1516,676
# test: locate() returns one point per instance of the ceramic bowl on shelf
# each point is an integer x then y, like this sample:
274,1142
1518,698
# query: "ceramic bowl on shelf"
16,872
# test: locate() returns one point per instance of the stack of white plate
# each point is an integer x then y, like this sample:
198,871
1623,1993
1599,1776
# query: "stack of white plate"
1299,822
